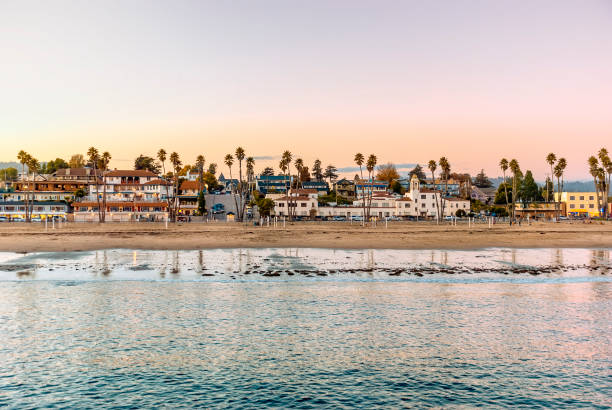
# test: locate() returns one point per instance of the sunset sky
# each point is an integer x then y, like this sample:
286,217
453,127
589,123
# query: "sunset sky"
407,80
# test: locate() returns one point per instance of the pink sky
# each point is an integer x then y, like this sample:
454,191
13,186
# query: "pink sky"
409,81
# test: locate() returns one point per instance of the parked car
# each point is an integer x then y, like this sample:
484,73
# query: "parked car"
357,218
218,209
3,219
17,219
393,218
339,218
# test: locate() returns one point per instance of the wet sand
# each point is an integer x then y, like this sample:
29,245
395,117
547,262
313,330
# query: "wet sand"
21,237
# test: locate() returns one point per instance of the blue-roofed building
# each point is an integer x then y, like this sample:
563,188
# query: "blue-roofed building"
322,187
228,183
272,183
365,186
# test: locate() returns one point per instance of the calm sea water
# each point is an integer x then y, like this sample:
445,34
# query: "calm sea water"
306,328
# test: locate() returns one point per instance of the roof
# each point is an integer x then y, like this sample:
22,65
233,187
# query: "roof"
303,191
118,203
455,199
79,172
189,185
157,181
404,199
36,203
130,173
293,198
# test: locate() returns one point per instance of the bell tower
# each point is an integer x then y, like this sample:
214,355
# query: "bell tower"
414,185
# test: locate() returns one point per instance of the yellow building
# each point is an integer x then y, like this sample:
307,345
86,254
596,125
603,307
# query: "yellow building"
581,203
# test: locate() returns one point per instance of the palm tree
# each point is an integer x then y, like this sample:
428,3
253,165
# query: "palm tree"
433,165
370,166
299,165
359,159
33,168
503,164
551,158
285,162
598,174
161,156
200,166
23,158
94,157
516,170
104,161
240,155
175,160
229,161
250,168
606,164
445,168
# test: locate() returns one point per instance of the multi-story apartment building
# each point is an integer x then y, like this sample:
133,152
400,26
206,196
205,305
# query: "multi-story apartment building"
581,203
130,195
272,183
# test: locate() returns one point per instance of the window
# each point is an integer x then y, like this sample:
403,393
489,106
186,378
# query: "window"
591,206
572,198
423,196
581,205
423,205
280,205
582,198
303,205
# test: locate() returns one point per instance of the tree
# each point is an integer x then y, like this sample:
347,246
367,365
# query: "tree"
103,163
330,173
371,166
606,163
176,162
229,161
551,158
201,203
9,174
200,161
76,161
264,205
359,159
432,165
387,172
418,171
267,172
94,156
317,171
212,168
250,166
598,175
284,164
305,175
52,166
516,175
445,173
529,191
33,167
503,164
146,163
504,191
161,156
482,181
397,187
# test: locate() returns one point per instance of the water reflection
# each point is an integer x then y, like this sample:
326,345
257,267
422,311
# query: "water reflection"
301,264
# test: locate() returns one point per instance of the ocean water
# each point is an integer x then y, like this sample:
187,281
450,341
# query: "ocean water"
307,328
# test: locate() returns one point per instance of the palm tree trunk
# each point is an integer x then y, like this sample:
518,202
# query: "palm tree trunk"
506,192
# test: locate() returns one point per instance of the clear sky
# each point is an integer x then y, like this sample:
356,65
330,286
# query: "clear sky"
407,80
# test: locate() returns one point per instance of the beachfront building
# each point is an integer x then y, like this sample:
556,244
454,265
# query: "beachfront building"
321,187
41,210
365,186
228,185
76,175
130,195
539,210
581,204
345,188
301,202
452,186
44,190
272,183
188,198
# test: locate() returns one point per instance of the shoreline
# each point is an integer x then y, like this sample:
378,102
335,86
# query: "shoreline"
74,237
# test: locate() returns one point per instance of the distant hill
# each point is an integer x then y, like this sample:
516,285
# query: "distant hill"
10,165
568,186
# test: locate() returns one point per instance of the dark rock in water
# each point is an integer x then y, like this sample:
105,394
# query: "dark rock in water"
270,274
419,274
208,274
15,268
321,274
394,274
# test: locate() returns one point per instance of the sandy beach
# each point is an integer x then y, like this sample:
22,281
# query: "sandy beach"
21,237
